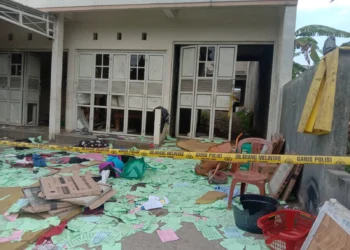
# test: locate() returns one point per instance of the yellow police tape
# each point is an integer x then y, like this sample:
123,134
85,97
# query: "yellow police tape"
227,157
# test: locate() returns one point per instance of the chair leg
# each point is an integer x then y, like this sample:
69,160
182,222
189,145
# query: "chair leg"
232,188
261,187
243,187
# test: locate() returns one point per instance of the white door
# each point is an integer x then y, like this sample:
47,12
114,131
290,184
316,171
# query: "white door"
117,92
5,60
16,89
31,90
206,85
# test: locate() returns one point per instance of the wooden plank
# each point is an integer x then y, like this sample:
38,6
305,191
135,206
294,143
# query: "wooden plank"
292,182
280,179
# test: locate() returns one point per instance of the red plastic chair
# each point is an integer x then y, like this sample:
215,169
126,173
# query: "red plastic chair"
252,176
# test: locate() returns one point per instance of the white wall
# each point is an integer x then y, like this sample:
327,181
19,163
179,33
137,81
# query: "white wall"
232,25
99,3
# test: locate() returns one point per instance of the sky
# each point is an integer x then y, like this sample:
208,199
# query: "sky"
322,12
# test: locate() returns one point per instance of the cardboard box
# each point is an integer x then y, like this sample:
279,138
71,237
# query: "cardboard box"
66,187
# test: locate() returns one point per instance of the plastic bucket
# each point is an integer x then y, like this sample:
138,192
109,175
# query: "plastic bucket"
254,207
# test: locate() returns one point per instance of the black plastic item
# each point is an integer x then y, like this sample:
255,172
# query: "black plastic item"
254,207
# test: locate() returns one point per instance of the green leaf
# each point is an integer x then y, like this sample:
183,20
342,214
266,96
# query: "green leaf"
298,69
320,30
314,56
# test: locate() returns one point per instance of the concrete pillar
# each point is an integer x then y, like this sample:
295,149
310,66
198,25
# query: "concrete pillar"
70,93
282,68
56,78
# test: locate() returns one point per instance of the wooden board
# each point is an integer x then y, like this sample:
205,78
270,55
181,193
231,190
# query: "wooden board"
331,230
292,182
280,179
194,145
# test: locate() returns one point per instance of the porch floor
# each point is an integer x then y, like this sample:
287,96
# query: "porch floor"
73,138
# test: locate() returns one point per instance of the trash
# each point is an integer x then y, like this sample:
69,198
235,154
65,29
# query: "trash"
205,166
211,197
38,204
68,187
167,235
15,236
155,202
53,231
232,232
38,161
134,169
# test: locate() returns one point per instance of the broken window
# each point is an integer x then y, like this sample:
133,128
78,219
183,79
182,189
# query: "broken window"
32,112
221,124
134,122
102,66
206,61
83,117
117,120
16,64
137,67
203,123
150,123
100,119
185,122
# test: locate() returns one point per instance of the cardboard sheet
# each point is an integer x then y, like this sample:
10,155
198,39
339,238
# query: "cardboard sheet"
88,200
69,187
28,237
40,205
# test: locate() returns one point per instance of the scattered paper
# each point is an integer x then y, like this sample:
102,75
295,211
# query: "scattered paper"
117,246
15,236
15,208
11,217
155,202
167,235
211,233
99,237
232,232
91,219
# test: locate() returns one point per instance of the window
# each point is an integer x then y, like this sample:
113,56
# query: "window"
102,66
137,67
206,61
16,64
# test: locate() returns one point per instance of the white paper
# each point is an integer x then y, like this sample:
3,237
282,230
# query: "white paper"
155,202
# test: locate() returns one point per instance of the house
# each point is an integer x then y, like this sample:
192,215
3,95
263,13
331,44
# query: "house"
105,65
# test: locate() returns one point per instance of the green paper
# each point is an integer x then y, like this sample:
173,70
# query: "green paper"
231,244
151,228
211,233
172,226
253,247
117,246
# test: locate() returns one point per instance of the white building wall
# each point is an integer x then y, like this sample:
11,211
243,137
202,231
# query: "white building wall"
236,25
52,4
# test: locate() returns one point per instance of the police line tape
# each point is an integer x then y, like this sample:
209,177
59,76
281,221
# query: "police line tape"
207,156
